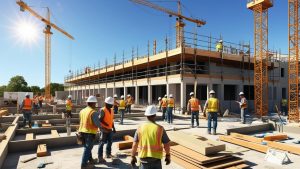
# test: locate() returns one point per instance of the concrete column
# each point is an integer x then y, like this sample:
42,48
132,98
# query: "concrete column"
115,91
168,89
209,88
137,101
149,94
221,92
125,92
106,92
183,96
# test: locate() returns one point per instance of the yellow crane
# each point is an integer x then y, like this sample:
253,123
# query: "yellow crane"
179,21
48,33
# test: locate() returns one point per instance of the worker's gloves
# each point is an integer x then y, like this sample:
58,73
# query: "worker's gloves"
168,159
133,160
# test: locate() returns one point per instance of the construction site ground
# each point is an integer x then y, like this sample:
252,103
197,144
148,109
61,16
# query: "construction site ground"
70,157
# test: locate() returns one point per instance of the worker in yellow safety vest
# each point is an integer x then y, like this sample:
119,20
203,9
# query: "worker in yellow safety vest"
107,129
244,107
219,46
69,106
212,108
150,138
164,103
284,103
170,108
26,108
194,108
122,105
88,127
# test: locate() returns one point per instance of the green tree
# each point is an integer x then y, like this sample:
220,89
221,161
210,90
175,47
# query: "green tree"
35,89
2,90
17,84
55,87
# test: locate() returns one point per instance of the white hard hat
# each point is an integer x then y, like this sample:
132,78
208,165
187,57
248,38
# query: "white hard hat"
150,111
171,96
115,95
241,93
192,93
109,100
122,97
128,95
166,95
70,96
27,94
221,41
212,92
159,98
91,99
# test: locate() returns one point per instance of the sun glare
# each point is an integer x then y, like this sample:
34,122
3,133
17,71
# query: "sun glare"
26,31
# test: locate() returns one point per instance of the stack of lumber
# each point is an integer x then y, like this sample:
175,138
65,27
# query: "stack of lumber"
261,144
3,112
127,144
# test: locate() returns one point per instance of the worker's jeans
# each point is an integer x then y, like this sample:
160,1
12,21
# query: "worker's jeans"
212,116
243,115
88,140
284,110
164,110
170,114
195,115
128,109
151,165
27,117
122,111
105,138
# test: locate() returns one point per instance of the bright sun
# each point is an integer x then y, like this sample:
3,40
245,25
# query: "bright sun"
26,31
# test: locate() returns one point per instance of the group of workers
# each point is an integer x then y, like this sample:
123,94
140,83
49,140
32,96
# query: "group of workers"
121,106
166,105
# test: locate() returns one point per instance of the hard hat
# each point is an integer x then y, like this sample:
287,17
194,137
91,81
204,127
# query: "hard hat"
171,96
91,99
128,95
27,94
122,97
166,95
192,93
220,41
212,92
115,95
150,111
159,98
241,93
70,96
109,100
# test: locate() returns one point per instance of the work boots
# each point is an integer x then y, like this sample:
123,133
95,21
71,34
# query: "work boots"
214,132
88,166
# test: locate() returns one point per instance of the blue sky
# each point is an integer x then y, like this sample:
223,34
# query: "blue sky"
104,28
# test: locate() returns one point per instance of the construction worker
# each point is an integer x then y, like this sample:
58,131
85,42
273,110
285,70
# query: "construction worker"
219,46
164,103
244,107
89,124
159,103
69,106
129,102
194,107
116,104
107,129
284,103
36,107
41,98
26,108
212,107
170,108
150,138
122,105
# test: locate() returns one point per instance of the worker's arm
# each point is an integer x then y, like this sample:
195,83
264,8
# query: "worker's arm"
166,141
95,119
135,144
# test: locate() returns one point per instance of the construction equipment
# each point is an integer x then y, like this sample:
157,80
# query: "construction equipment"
260,11
293,67
48,33
179,21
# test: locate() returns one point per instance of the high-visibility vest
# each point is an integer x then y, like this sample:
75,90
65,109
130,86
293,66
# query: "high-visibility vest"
129,100
86,123
194,103
164,102
170,102
150,140
69,105
284,102
108,119
212,105
122,105
27,104
244,105
219,46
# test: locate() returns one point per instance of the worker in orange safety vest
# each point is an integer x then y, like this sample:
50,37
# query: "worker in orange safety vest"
26,108
194,108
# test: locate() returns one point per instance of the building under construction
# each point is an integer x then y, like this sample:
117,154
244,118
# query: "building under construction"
194,65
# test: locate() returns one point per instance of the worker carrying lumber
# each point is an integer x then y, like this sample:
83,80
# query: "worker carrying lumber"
26,108
219,46
284,103
107,129
88,127
159,103
69,106
129,102
150,138
194,107
122,105
170,108
212,108
164,103
116,104
244,107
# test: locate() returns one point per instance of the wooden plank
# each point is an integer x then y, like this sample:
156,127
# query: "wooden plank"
123,145
225,163
54,134
276,137
128,138
46,125
30,136
28,159
183,163
3,113
284,146
240,166
246,137
41,150
250,145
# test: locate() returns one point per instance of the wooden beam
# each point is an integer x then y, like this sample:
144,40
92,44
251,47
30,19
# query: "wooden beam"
128,138
54,134
246,137
123,145
284,146
41,150
240,166
30,136
3,112
46,125
276,137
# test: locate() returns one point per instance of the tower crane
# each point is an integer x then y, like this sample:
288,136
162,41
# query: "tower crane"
293,62
179,21
260,11
48,33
